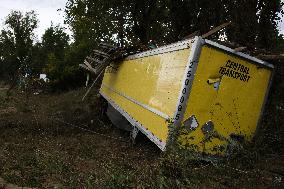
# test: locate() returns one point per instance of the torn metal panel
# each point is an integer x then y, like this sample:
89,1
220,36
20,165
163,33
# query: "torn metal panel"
191,123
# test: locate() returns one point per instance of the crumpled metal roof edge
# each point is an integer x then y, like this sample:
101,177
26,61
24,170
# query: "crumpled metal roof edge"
163,49
185,44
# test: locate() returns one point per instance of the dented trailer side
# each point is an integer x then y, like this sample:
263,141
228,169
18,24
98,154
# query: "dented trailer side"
226,99
215,95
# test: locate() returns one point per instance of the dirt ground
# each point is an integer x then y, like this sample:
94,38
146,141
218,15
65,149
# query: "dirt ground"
58,141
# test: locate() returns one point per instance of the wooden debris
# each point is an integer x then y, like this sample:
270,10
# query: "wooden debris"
231,45
100,59
216,29
94,60
89,66
90,59
107,45
86,94
100,53
271,56
240,49
85,67
196,33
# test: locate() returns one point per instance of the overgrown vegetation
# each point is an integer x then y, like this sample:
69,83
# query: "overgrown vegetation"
38,151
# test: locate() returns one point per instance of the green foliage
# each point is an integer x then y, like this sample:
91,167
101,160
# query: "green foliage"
255,22
268,20
270,138
90,21
133,21
61,60
16,42
53,56
8,61
66,73
119,179
55,40
280,44
54,45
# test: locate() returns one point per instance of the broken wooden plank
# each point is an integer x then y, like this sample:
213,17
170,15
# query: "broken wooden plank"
90,58
216,29
196,33
103,54
84,67
240,49
89,66
94,60
86,94
271,56
231,45
105,45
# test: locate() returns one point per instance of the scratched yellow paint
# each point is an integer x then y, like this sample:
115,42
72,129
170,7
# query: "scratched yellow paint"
154,81
234,108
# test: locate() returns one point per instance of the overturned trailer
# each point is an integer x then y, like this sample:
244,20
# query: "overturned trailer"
213,93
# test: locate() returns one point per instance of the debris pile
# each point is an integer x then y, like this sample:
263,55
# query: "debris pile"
103,56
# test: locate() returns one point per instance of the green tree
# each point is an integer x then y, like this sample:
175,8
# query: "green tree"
55,43
90,21
59,59
38,61
267,36
133,21
17,41
244,15
55,40
8,58
120,22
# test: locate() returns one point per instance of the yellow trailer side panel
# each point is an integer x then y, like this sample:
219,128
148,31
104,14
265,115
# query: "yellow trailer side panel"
153,81
153,123
228,94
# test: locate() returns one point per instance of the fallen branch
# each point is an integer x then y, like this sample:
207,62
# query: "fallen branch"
92,85
240,49
85,67
216,29
89,66
196,33
271,57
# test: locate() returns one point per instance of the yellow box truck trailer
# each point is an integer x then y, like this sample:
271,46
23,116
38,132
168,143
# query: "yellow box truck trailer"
212,93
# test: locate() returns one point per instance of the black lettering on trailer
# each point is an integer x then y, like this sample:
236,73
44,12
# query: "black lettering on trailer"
236,71
186,82
177,117
181,99
184,90
248,78
189,73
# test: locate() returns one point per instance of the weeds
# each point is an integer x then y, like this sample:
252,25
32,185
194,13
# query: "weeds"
45,154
